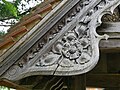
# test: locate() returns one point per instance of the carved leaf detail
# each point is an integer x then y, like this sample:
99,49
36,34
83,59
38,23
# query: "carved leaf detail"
48,60
71,46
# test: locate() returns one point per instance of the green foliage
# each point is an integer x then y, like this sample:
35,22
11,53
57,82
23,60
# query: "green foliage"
14,10
7,9
2,33
10,7
16,3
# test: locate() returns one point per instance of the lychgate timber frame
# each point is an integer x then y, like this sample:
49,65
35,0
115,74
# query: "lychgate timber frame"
66,45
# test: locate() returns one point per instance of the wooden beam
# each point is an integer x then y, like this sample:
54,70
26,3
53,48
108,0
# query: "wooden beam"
109,27
110,45
7,83
113,30
103,80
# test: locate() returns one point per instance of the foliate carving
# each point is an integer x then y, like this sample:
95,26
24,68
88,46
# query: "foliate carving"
52,33
71,46
77,50
73,49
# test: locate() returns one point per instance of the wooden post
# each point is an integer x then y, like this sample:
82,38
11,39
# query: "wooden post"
78,82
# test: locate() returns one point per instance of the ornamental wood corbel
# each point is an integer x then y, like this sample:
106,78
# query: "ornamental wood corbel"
73,49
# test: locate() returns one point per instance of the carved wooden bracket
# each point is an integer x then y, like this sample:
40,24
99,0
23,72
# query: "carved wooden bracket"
70,47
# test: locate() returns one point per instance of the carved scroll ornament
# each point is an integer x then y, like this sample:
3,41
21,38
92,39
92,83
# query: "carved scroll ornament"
73,48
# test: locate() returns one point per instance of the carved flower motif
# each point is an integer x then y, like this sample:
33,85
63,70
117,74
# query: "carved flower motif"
71,47
68,51
72,53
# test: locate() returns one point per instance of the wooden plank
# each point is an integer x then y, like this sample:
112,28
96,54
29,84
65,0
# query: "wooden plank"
103,80
7,83
110,44
113,30
77,82
110,27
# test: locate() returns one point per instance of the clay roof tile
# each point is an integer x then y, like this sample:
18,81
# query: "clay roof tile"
25,23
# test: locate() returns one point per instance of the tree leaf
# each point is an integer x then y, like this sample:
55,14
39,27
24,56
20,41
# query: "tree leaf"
11,8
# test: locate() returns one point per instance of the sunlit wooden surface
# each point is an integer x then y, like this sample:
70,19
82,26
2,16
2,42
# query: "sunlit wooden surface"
94,89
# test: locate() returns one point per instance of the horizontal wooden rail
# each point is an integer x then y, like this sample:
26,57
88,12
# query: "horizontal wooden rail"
113,30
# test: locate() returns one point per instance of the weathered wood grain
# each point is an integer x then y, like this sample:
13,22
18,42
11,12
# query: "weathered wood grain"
23,48
113,30
103,80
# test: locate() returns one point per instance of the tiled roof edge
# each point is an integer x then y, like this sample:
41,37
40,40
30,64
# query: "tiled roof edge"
48,16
